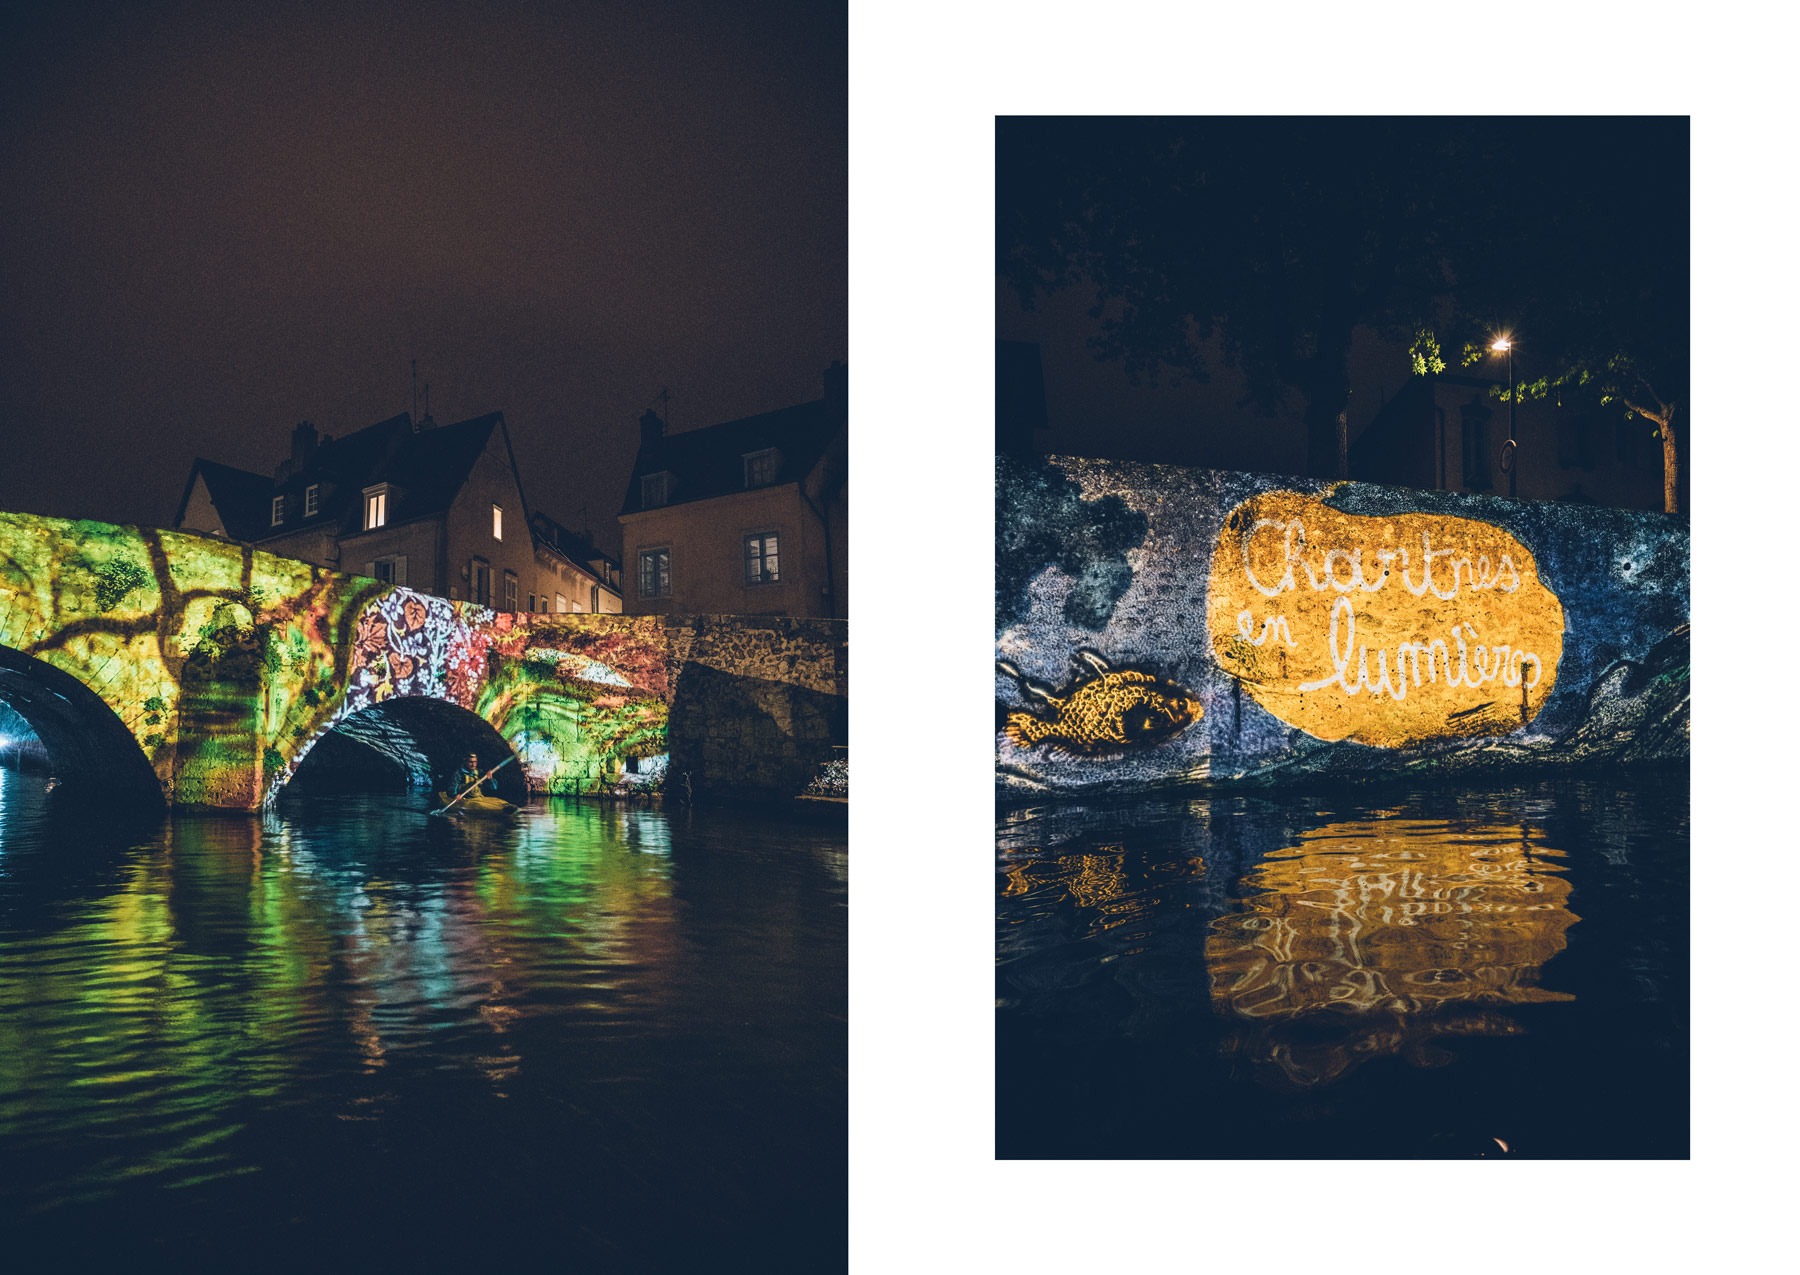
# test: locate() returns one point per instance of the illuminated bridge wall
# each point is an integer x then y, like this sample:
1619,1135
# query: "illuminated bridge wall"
1163,627
196,671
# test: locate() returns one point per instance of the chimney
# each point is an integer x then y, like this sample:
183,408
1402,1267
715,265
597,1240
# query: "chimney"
305,442
837,392
651,427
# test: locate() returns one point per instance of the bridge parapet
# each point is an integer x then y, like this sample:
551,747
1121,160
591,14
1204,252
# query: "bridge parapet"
225,666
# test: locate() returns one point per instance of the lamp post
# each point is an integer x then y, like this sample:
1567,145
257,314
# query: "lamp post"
1509,455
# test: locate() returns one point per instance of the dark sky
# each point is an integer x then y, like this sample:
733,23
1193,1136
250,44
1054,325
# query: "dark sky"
221,219
1549,188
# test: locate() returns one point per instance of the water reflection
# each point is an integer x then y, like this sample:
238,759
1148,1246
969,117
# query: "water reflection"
1257,975
1377,938
601,1032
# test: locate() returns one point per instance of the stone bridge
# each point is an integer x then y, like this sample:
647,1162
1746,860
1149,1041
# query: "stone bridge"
162,667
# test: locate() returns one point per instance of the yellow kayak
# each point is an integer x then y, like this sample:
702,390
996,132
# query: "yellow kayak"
487,807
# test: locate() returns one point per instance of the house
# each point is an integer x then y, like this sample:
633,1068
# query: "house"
572,575
1449,432
744,518
438,508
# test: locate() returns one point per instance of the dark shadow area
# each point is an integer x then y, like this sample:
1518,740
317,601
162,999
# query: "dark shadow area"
91,753
751,738
412,744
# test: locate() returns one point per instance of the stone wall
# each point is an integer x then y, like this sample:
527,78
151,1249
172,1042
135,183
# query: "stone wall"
758,704
1166,627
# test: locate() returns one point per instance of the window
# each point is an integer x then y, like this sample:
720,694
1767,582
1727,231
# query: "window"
375,510
496,522
388,570
481,582
562,604
544,603
593,597
511,591
655,488
312,500
762,559
276,511
759,468
653,573
531,601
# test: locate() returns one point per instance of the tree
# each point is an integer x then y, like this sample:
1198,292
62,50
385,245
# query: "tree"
1589,280
1280,236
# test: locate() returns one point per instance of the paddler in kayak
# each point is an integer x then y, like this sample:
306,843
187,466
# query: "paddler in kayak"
482,789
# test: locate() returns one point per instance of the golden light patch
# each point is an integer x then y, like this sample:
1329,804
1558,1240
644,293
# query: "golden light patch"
1389,631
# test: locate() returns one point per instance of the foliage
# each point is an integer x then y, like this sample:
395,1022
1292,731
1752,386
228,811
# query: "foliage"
1590,287
116,579
1426,355
1273,239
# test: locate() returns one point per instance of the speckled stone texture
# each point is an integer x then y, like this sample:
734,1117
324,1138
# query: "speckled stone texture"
1114,559
758,704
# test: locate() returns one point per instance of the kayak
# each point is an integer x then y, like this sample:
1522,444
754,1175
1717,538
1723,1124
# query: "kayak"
484,807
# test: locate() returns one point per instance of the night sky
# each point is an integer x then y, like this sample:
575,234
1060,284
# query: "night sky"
1550,189
223,219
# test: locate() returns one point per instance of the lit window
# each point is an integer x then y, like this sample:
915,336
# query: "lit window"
312,500
655,490
653,573
759,468
277,511
762,559
496,522
562,604
374,509
511,591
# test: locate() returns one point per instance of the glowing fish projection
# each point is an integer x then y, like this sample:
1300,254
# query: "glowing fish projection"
1392,630
1103,712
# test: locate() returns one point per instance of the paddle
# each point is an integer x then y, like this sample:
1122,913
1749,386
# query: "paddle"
471,788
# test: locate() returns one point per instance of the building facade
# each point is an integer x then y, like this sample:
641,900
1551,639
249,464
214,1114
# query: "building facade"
436,508
749,517
1449,432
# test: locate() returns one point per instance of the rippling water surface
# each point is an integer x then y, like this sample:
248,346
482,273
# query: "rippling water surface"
351,1032
1392,975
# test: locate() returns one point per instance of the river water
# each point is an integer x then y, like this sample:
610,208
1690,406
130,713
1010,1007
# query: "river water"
350,1033
1373,974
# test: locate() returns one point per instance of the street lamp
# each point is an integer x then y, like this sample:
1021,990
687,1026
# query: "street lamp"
1509,455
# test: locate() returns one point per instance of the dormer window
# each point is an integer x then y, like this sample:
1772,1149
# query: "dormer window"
375,506
655,490
278,511
497,527
312,500
759,468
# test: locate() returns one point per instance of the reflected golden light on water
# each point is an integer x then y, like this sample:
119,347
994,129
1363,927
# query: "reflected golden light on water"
1374,939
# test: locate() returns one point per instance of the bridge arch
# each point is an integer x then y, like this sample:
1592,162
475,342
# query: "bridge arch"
422,738
93,753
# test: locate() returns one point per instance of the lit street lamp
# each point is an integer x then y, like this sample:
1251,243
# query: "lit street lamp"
1509,455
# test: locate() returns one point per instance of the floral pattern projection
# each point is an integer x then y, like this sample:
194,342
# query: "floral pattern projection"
227,665
575,696
1161,627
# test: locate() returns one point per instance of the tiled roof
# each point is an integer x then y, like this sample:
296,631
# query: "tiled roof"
428,468
703,463
241,497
